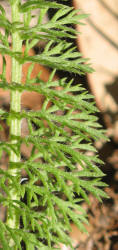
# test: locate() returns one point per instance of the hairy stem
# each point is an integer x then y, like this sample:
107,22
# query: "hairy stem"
15,105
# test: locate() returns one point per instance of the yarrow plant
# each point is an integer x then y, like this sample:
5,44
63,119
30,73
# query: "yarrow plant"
60,172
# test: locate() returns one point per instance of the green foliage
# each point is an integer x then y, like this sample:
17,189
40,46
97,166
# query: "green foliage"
59,168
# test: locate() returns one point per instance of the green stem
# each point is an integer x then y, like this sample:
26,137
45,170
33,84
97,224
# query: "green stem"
15,105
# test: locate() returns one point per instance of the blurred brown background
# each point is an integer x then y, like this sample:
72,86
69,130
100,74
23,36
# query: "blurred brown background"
99,42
